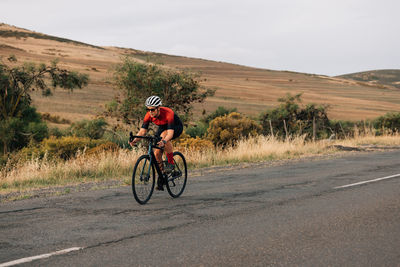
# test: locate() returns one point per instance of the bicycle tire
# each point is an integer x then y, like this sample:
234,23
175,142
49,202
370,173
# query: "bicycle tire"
143,180
176,184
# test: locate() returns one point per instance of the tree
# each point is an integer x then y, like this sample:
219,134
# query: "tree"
19,122
136,81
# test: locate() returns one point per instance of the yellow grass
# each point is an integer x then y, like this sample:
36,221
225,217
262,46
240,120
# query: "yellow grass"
42,173
386,140
118,165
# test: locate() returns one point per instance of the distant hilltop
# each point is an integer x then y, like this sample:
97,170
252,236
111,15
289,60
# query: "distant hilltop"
379,77
249,90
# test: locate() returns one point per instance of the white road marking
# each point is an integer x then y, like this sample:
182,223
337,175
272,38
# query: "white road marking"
43,256
366,182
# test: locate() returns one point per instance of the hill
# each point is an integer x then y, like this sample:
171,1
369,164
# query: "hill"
376,77
250,90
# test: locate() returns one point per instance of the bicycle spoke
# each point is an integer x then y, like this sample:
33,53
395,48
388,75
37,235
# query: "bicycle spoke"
177,179
143,180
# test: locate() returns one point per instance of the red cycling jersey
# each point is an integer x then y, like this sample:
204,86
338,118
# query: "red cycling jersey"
165,118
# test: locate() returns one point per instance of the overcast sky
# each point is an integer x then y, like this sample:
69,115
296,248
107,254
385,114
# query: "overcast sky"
329,37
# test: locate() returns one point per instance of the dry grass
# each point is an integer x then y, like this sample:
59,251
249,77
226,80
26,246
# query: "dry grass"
118,165
38,173
371,140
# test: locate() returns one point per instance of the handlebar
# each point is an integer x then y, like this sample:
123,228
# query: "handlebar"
152,138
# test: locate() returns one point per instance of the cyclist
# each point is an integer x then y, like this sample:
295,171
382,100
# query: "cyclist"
169,128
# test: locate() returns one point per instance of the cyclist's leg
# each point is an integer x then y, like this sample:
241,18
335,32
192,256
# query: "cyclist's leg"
158,155
169,148
160,180
161,131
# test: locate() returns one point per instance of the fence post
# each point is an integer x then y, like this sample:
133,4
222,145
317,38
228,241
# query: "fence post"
286,130
270,126
314,130
344,133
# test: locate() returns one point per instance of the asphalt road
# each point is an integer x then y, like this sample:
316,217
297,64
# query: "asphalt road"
292,214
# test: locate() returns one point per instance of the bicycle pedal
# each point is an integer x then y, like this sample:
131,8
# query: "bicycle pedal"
160,188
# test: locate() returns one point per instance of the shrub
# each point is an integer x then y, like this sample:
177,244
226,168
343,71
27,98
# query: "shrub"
389,121
117,136
106,147
198,130
228,129
342,129
196,144
58,148
55,119
56,132
15,133
290,119
93,129
220,111
67,147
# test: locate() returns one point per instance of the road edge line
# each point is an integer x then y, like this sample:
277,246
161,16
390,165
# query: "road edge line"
38,257
366,182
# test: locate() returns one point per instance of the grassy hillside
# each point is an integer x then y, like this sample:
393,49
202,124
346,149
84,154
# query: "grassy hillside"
376,77
250,90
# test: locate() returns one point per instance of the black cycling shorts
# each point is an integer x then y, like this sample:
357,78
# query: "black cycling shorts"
178,128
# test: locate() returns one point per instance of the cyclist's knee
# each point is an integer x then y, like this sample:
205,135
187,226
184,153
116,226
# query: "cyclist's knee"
157,152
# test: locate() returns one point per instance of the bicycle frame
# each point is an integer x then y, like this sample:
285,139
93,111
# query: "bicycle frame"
152,145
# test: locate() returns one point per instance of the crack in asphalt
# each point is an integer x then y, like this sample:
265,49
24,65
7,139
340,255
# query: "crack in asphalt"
154,232
21,210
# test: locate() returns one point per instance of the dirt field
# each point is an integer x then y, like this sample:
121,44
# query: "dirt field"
250,90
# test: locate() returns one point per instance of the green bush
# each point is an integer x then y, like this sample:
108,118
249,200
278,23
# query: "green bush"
117,136
106,147
228,129
56,132
18,132
198,130
220,111
342,129
59,148
68,147
93,129
389,121
291,119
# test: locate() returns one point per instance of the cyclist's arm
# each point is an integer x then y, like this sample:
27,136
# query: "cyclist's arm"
170,135
142,132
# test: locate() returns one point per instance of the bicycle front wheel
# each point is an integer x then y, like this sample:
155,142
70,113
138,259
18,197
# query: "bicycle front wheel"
178,177
143,179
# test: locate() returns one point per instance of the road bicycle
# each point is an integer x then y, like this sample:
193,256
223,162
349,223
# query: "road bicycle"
143,177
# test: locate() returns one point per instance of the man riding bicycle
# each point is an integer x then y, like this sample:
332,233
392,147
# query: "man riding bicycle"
169,128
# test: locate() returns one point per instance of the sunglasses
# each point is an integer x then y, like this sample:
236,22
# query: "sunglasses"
151,109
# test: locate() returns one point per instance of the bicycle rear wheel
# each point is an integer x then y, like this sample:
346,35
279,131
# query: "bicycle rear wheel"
178,177
143,179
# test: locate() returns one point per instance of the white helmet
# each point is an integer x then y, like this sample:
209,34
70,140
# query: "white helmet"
153,101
